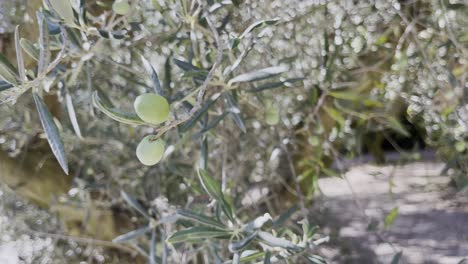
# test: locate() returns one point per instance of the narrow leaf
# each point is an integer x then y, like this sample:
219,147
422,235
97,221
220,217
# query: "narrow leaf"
397,257
7,71
132,234
336,115
5,85
259,75
397,126
52,133
154,76
258,24
185,66
240,245
351,96
274,85
64,9
276,241
135,204
120,116
30,49
152,246
202,219
235,112
390,218
19,56
192,121
267,257
195,234
210,185
72,115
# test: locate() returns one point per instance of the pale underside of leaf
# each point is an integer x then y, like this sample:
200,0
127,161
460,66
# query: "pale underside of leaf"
52,133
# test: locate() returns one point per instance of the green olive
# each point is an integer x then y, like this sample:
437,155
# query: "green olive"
152,108
271,115
121,7
150,152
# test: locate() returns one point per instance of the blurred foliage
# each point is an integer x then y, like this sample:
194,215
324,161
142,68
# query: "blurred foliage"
264,95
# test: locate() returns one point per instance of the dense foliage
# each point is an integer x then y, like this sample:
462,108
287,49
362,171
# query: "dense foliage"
239,105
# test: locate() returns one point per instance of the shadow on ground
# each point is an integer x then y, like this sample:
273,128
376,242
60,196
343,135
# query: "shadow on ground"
431,225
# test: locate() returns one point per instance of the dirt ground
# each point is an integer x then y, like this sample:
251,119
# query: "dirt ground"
431,225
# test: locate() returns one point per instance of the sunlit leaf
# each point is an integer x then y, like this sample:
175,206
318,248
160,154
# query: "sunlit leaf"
195,234
390,218
30,49
274,241
352,96
19,56
258,24
335,114
397,126
64,9
123,117
72,115
259,74
52,133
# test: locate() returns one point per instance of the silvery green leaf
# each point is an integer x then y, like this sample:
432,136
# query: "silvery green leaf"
52,133
195,234
8,72
202,219
251,255
72,115
267,257
236,246
269,86
235,112
258,24
210,125
19,56
30,49
259,74
123,117
314,259
135,204
210,185
192,121
132,234
5,85
154,76
186,66
273,241
236,258
257,223
397,257
152,246
397,126
64,9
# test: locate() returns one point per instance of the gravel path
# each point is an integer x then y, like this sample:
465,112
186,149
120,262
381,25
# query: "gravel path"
431,225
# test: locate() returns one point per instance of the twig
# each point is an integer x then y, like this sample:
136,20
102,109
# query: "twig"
203,87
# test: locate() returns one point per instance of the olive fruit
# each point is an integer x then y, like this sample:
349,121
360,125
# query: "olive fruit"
152,108
121,7
150,152
271,115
